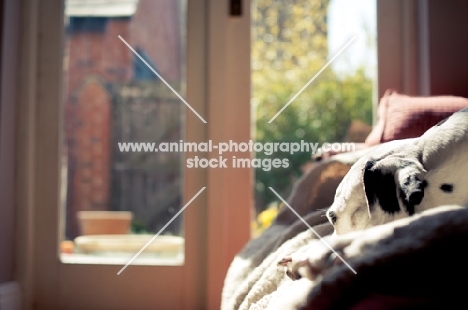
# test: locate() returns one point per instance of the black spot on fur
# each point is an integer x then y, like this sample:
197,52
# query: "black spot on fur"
412,192
369,164
386,193
447,188
409,207
410,202
416,197
332,217
380,186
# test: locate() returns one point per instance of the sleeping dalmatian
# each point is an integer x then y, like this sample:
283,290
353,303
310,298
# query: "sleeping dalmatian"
393,182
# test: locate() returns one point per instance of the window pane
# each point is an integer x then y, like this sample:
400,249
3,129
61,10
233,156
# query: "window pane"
118,195
292,41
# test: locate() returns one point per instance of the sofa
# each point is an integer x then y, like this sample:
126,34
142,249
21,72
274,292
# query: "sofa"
399,272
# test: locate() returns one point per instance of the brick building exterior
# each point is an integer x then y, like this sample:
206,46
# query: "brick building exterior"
96,61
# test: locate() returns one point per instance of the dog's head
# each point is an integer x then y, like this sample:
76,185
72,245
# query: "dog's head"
377,191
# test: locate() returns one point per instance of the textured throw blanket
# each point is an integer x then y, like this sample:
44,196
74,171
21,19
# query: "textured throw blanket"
254,276
409,264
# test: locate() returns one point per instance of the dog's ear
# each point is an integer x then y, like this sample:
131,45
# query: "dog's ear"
379,185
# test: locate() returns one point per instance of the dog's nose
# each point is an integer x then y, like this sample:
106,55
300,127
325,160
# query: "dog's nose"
332,217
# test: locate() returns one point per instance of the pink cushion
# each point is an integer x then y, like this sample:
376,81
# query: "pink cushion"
401,116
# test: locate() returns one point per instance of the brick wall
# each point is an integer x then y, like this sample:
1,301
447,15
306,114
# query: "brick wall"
95,59
155,28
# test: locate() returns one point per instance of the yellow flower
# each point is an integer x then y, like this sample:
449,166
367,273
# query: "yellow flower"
266,218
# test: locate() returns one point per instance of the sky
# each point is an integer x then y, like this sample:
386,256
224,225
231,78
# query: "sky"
348,18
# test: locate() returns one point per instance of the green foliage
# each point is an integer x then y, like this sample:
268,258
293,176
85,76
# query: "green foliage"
138,227
289,47
323,113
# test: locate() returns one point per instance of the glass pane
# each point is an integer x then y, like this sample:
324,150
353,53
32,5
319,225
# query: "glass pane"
292,41
116,197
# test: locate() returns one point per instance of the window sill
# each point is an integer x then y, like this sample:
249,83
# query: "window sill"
122,259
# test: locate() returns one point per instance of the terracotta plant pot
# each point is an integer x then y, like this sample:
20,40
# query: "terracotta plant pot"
104,222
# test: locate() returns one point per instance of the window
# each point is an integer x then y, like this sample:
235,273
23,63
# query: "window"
118,195
292,41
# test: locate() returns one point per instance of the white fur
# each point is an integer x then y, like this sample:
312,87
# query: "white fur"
440,156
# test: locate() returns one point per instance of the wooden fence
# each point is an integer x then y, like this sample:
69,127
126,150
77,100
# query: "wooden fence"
147,183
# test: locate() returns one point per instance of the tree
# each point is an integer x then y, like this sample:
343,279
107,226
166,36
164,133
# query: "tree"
289,47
